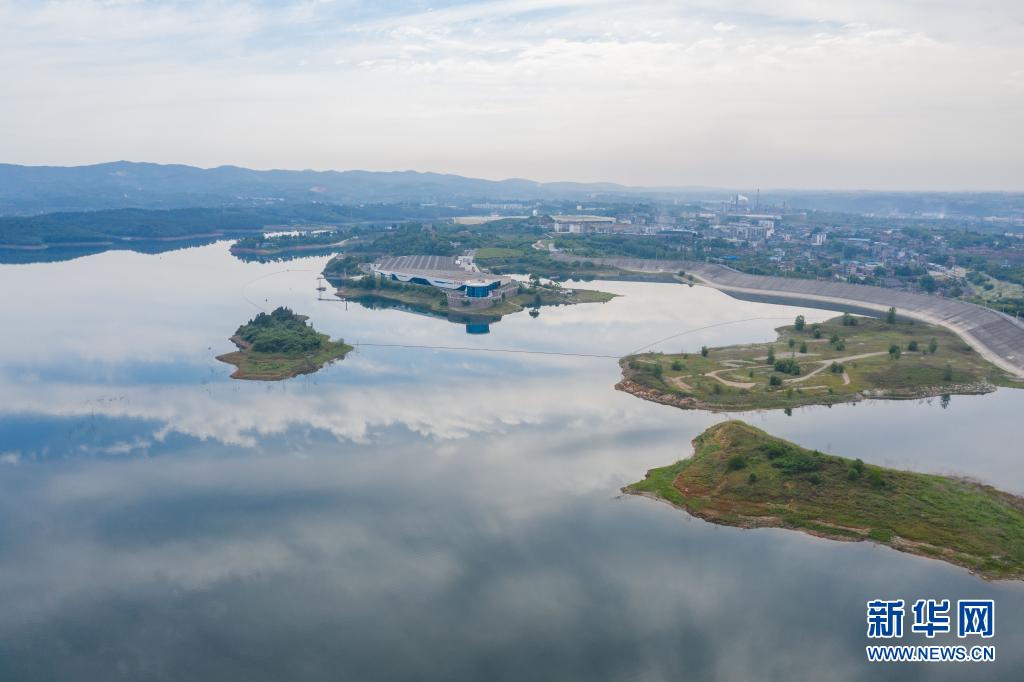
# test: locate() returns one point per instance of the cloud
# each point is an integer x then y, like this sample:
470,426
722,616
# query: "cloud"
546,89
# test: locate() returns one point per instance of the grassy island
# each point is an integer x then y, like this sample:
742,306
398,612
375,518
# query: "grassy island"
843,359
741,476
280,345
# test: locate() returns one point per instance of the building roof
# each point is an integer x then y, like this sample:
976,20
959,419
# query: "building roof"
437,267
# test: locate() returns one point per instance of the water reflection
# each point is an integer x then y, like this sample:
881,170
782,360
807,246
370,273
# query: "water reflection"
417,513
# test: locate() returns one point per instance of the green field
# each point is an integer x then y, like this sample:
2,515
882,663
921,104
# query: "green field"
741,476
825,363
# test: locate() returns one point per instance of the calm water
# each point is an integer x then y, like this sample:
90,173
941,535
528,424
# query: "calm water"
413,513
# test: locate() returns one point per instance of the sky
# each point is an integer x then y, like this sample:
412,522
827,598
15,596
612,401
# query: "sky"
845,94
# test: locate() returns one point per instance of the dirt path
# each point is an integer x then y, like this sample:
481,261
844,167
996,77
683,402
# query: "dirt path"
678,381
828,363
734,384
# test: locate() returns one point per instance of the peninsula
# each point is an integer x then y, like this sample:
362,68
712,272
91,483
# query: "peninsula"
280,345
448,286
742,476
844,359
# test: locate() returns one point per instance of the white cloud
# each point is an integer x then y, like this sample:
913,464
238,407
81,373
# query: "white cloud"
849,94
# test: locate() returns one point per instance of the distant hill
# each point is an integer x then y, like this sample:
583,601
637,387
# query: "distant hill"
30,190
122,184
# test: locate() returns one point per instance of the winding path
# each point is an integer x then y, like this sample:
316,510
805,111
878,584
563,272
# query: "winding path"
999,338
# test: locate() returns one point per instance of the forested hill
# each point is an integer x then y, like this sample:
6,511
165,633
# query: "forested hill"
56,229
40,189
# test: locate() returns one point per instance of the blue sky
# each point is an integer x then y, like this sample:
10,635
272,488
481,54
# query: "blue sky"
843,94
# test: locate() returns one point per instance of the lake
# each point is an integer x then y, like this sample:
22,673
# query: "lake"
416,513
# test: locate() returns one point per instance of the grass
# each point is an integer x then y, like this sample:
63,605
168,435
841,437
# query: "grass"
276,366
739,378
742,476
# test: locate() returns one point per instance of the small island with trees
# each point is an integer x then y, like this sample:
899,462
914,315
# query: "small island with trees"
844,359
280,345
742,476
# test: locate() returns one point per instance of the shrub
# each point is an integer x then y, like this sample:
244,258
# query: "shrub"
704,351
814,479
947,372
752,478
836,368
775,380
816,331
912,346
792,342
895,351
841,345
677,366
933,346
890,316
787,366
773,449
875,478
834,338
849,320
771,355
799,323
736,462
803,347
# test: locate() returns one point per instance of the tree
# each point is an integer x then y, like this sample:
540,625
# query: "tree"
774,380
912,346
704,351
800,322
849,320
836,368
933,346
792,342
677,366
890,316
771,355
895,351
816,331
803,347
947,372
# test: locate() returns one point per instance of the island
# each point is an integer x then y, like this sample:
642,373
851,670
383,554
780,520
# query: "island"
454,287
280,345
741,476
846,358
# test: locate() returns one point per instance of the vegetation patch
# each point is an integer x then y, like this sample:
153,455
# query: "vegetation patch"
741,476
844,359
280,345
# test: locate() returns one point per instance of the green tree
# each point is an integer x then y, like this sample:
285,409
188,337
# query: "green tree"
912,346
933,346
816,331
895,351
704,351
771,355
947,372
803,347
800,322
890,316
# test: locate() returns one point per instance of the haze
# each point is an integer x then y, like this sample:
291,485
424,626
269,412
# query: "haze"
847,94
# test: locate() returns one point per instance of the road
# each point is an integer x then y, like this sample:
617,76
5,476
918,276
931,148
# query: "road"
998,337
